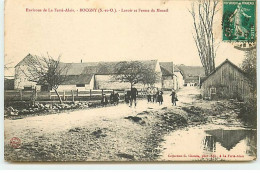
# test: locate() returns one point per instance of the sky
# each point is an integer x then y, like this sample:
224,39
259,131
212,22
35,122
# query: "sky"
108,36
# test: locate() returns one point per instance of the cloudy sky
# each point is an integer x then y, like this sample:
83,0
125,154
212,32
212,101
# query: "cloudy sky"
107,36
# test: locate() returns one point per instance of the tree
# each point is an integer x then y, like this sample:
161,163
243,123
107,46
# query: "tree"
249,67
134,72
203,12
46,71
150,77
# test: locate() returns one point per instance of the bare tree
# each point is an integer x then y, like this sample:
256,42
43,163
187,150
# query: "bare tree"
46,71
203,12
134,72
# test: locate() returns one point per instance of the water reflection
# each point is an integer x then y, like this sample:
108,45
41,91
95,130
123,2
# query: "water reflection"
209,143
229,139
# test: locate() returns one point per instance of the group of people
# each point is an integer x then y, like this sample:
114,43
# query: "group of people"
113,98
155,95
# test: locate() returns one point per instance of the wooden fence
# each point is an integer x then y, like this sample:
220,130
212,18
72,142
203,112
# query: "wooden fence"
68,95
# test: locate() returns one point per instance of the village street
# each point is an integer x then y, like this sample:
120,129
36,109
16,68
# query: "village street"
65,121
109,133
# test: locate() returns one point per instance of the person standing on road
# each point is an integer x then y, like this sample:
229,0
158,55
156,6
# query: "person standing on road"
160,97
155,93
149,94
111,98
104,100
174,97
116,98
134,93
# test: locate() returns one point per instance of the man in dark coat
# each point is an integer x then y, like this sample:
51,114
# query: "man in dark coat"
160,97
133,93
111,98
116,98
174,97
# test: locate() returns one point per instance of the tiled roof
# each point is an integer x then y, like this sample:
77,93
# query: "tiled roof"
77,79
218,67
189,71
166,68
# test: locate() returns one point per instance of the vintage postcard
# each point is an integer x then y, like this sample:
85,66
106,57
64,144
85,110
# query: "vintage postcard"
130,80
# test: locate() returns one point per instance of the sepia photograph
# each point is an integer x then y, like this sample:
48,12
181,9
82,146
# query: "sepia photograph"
130,81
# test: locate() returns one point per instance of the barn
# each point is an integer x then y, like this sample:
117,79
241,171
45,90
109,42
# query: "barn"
92,75
227,81
191,74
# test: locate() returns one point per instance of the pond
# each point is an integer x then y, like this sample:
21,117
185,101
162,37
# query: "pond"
209,143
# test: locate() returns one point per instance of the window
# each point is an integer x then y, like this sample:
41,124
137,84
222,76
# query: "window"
80,85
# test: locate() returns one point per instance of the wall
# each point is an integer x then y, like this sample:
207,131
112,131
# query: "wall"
109,82
228,82
179,80
20,80
73,87
167,82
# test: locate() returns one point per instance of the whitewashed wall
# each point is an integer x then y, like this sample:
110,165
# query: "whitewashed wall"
20,79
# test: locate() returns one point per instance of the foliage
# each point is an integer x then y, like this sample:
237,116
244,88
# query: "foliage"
135,72
248,113
249,67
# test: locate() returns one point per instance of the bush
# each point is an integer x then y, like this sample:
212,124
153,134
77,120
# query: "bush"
248,113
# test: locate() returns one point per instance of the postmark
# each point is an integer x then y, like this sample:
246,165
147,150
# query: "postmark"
15,142
238,22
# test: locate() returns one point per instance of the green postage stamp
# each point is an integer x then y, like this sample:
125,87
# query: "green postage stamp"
239,20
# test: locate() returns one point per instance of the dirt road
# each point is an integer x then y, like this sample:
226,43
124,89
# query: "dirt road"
117,133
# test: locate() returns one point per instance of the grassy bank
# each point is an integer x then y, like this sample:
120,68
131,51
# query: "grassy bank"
133,138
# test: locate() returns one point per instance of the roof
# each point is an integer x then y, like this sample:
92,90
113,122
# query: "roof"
176,69
99,68
189,71
166,68
77,79
79,68
25,59
217,68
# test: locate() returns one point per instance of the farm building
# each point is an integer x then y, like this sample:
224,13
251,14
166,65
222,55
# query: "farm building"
167,75
226,81
191,74
179,80
95,75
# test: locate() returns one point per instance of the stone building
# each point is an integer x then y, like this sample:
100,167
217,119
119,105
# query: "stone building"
95,75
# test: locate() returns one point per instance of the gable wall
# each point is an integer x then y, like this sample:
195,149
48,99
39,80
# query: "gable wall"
229,83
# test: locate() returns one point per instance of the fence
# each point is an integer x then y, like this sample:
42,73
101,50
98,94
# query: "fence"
68,95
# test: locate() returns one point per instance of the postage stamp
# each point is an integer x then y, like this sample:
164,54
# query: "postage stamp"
239,21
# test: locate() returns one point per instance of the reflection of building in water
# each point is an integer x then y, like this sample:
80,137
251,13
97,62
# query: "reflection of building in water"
228,138
209,143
